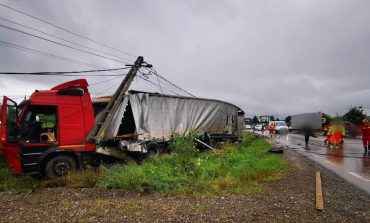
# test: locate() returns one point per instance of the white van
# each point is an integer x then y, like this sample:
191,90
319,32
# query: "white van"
280,126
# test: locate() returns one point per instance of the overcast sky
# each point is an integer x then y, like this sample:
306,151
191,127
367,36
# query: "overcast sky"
266,56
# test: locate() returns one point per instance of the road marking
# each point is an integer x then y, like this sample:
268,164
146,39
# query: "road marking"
315,156
359,176
331,163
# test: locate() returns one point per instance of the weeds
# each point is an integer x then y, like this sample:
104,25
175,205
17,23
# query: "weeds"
233,169
87,178
13,183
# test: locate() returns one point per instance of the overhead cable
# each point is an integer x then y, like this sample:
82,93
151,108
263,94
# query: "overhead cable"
66,30
68,41
163,78
19,47
61,73
60,44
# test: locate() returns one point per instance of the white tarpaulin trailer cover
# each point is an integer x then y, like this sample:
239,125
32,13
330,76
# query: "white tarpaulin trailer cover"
157,117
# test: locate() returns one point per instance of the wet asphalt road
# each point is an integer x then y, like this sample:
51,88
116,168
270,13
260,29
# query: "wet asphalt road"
348,161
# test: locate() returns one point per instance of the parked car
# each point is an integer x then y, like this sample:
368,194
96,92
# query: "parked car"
248,127
258,127
280,126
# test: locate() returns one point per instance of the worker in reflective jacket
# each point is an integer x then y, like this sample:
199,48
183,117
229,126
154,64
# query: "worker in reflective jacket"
366,134
336,133
272,129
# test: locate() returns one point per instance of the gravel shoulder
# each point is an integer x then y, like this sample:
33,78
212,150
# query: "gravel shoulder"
288,200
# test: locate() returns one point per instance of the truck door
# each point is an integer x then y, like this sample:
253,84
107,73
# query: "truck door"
8,125
8,134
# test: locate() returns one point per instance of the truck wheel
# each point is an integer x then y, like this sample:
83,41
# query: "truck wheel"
153,149
214,144
59,166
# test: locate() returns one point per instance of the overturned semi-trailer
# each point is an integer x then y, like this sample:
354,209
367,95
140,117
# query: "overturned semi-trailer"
145,118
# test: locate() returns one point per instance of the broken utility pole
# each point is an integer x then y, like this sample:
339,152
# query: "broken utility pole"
98,132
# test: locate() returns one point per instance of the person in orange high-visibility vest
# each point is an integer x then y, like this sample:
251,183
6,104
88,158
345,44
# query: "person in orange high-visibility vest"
272,129
366,135
336,133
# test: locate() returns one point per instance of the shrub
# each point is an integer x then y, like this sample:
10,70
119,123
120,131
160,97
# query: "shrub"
232,169
14,183
87,178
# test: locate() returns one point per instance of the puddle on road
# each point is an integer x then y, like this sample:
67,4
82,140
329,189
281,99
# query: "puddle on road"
349,156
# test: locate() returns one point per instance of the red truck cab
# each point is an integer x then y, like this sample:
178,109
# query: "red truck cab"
46,133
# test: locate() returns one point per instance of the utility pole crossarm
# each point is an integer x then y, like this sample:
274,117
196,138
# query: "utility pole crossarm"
100,127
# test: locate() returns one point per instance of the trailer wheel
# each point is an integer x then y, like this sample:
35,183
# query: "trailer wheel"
153,149
214,144
59,166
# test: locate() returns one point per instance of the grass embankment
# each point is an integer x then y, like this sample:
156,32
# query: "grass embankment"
16,184
233,169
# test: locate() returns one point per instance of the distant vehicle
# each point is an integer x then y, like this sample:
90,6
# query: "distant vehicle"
313,120
258,127
248,127
351,130
280,126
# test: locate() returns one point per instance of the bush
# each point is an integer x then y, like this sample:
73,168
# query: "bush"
13,183
184,146
232,169
87,178
235,168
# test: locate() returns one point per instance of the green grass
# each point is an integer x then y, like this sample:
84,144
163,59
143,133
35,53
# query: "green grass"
233,169
87,178
13,183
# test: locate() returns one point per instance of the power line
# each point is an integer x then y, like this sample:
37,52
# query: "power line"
96,83
67,72
18,47
66,30
107,89
146,78
160,76
151,82
60,44
15,46
77,44
168,110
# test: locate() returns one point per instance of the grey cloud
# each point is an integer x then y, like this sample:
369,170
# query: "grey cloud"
268,57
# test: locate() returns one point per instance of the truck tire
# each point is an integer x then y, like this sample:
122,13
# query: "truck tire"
154,149
59,166
214,144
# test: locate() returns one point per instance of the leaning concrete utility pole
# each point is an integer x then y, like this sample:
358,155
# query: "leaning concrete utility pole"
98,132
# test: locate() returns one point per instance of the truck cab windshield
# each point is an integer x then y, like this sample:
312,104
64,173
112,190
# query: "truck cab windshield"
39,124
